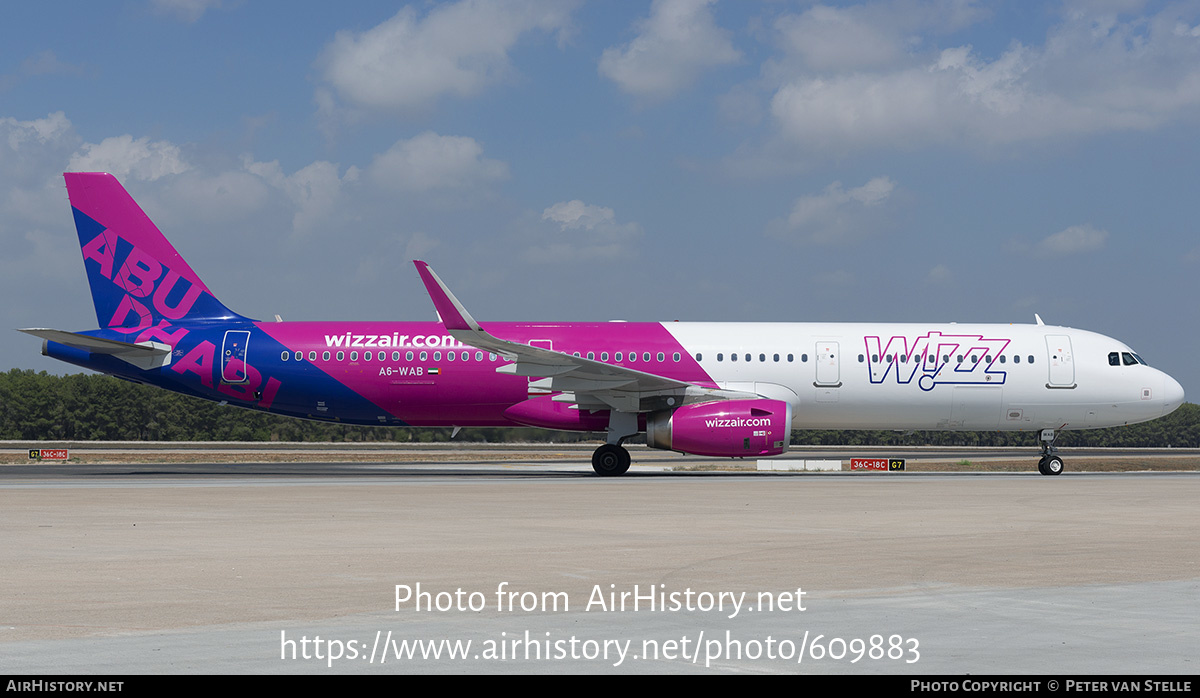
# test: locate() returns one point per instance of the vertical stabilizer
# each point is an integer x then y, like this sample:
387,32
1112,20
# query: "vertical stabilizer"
138,281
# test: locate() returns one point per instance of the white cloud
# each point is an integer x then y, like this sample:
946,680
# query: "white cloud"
37,65
185,10
128,158
574,214
824,38
17,135
219,200
430,161
1074,240
1095,73
408,62
419,244
837,214
674,45
579,232
314,190
938,275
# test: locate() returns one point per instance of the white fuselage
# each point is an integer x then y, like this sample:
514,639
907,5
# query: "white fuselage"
933,376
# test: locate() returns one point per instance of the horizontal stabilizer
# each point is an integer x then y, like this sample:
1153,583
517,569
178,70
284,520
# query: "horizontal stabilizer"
144,355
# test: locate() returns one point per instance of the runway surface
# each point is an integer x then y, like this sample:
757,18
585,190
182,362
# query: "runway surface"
225,568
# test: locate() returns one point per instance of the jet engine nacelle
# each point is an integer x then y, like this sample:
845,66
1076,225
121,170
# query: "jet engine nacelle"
729,428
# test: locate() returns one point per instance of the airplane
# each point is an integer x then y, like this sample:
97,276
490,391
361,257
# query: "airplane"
733,390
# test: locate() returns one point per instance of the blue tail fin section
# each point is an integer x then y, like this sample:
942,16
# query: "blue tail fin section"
140,285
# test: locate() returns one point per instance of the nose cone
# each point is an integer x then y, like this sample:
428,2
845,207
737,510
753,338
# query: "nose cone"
1172,394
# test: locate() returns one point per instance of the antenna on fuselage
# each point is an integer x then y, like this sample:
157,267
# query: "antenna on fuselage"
1038,318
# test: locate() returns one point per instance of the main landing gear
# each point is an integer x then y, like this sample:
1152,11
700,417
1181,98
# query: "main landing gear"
612,459
1049,464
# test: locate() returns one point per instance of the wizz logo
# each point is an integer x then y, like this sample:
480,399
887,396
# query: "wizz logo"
935,359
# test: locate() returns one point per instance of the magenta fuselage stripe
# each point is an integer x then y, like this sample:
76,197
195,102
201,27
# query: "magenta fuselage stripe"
467,392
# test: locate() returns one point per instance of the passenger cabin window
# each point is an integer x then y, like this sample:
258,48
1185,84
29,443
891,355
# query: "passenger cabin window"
286,355
341,356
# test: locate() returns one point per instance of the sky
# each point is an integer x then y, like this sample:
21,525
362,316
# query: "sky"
705,160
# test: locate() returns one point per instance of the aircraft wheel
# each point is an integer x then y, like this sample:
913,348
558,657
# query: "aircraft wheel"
1042,465
1051,465
610,460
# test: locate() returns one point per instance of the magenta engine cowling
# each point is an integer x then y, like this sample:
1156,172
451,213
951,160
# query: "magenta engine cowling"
730,428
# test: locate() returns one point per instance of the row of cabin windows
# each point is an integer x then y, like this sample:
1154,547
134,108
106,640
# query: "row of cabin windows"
974,358
464,356
932,358
750,357
619,357
1114,359
382,356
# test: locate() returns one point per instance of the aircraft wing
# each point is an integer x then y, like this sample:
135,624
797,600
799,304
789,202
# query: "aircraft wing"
588,383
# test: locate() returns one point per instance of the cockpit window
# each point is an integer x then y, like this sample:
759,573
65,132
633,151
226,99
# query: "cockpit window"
1126,358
